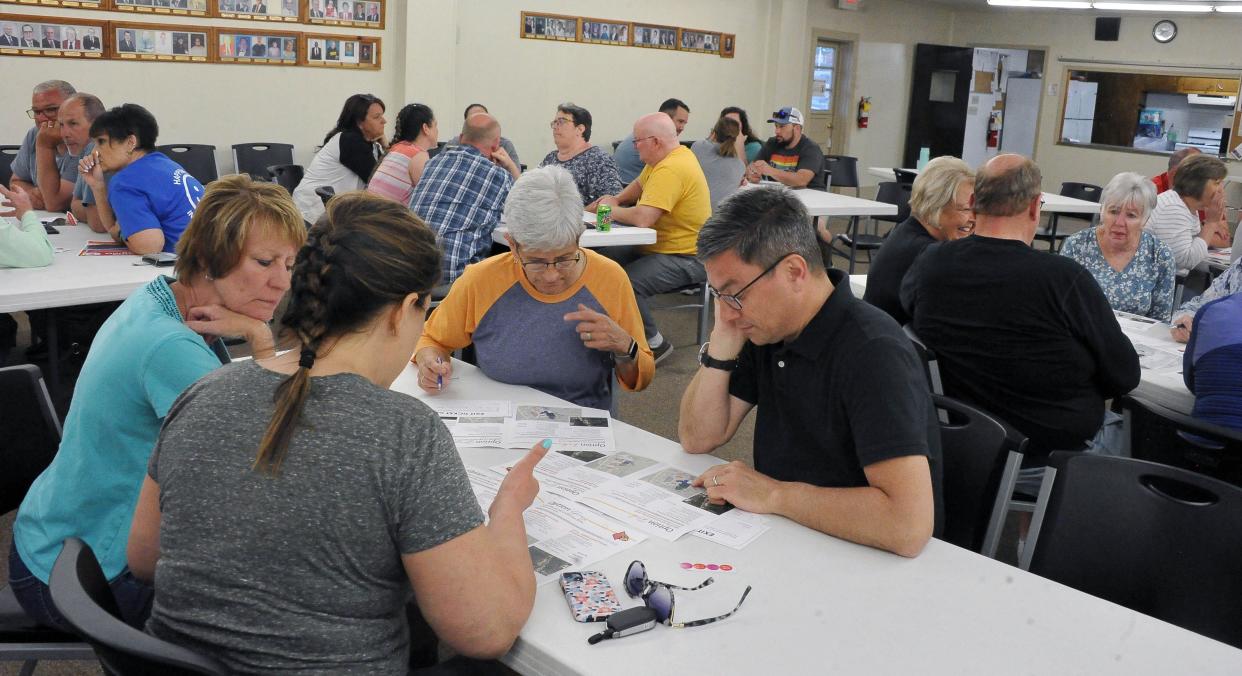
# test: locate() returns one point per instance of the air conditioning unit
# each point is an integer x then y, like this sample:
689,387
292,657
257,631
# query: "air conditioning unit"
1211,100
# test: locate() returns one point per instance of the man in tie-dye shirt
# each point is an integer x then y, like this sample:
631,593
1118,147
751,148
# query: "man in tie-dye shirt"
789,157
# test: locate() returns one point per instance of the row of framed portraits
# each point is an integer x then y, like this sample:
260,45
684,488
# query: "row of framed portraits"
358,13
70,37
562,28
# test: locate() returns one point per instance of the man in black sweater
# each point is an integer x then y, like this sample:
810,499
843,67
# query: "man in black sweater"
1027,336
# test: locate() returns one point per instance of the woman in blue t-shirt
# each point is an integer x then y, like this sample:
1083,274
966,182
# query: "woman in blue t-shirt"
148,201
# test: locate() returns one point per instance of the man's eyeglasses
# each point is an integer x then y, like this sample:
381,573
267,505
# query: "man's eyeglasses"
658,596
645,138
50,110
734,300
560,121
541,266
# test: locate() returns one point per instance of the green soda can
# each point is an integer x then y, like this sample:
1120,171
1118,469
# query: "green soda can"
603,218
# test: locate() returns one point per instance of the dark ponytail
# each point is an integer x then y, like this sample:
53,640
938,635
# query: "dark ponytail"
410,122
365,254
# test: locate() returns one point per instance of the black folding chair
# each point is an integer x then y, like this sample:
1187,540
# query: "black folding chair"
29,437
905,176
852,242
1159,540
843,171
255,158
979,474
897,194
287,175
1162,435
7,155
82,595
1082,191
197,159
325,193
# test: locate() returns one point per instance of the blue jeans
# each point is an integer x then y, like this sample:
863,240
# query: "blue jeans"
652,274
133,596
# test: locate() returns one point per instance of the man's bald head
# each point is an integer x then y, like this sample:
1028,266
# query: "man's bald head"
1006,185
658,125
482,131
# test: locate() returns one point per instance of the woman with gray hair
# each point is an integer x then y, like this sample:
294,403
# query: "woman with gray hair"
1135,270
594,170
939,210
549,314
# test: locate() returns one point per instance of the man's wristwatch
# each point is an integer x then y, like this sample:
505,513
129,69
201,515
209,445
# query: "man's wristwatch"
722,364
630,354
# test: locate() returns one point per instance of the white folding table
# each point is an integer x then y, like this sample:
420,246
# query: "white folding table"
619,235
824,605
1053,203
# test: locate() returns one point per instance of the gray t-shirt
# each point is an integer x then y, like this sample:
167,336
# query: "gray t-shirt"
300,571
629,164
26,168
724,174
81,191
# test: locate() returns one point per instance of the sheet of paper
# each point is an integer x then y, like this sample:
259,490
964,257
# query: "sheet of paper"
470,408
471,432
734,528
570,428
660,500
565,472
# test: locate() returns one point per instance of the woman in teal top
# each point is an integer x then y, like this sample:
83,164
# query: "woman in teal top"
1133,268
232,271
753,143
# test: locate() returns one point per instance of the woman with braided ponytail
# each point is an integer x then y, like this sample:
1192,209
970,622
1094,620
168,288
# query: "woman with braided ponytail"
232,271
301,555
399,171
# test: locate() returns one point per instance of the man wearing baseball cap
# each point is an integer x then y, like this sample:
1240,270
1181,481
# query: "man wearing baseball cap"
789,157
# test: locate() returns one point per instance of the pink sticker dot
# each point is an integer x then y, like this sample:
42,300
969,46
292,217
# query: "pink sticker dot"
699,566
686,565
726,567
712,566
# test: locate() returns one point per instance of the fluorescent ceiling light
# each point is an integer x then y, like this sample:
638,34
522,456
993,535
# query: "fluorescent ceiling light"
1151,7
1043,4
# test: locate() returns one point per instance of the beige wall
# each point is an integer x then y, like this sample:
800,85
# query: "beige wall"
218,104
1071,35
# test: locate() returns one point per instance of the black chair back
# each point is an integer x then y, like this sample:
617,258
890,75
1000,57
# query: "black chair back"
255,158
844,170
975,451
7,155
905,175
199,160
891,192
30,434
614,145
1159,540
1168,437
287,175
325,193
1082,191
436,150
81,593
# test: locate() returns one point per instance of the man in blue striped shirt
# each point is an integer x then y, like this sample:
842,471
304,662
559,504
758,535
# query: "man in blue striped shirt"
462,193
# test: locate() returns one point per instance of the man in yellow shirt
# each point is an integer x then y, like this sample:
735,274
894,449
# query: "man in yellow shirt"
671,196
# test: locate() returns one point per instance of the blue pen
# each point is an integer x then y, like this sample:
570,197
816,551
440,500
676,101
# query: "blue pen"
439,378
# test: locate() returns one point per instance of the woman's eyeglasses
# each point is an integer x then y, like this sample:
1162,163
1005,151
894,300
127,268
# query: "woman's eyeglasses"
542,266
658,596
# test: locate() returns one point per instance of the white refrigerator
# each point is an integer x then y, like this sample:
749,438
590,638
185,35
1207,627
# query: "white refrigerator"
1079,111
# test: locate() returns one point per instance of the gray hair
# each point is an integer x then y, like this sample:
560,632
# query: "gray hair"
1007,193
761,225
1129,188
936,186
544,210
92,107
63,87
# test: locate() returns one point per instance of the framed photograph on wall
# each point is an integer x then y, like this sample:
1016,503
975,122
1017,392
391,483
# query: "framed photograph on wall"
70,37
360,13
273,48
259,10
81,4
605,32
341,51
537,26
171,7
149,42
728,43
703,42
655,37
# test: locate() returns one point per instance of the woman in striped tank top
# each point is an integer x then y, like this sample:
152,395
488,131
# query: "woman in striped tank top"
399,171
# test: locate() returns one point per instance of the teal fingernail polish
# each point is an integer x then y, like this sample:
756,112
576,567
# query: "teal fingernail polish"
547,443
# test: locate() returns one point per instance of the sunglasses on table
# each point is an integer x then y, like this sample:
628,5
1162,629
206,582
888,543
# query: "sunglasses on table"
658,596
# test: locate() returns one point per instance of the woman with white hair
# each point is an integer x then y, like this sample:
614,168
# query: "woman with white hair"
939,210
549,314
1135,270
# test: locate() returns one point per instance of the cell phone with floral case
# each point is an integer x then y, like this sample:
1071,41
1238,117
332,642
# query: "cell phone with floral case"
590,595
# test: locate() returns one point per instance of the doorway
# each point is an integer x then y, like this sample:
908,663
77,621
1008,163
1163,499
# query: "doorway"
826,121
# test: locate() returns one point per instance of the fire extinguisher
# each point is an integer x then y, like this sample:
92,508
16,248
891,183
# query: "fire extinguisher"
994,128
864,112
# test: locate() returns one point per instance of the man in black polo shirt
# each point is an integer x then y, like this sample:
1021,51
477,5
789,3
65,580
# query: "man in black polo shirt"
1026,336
846,440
